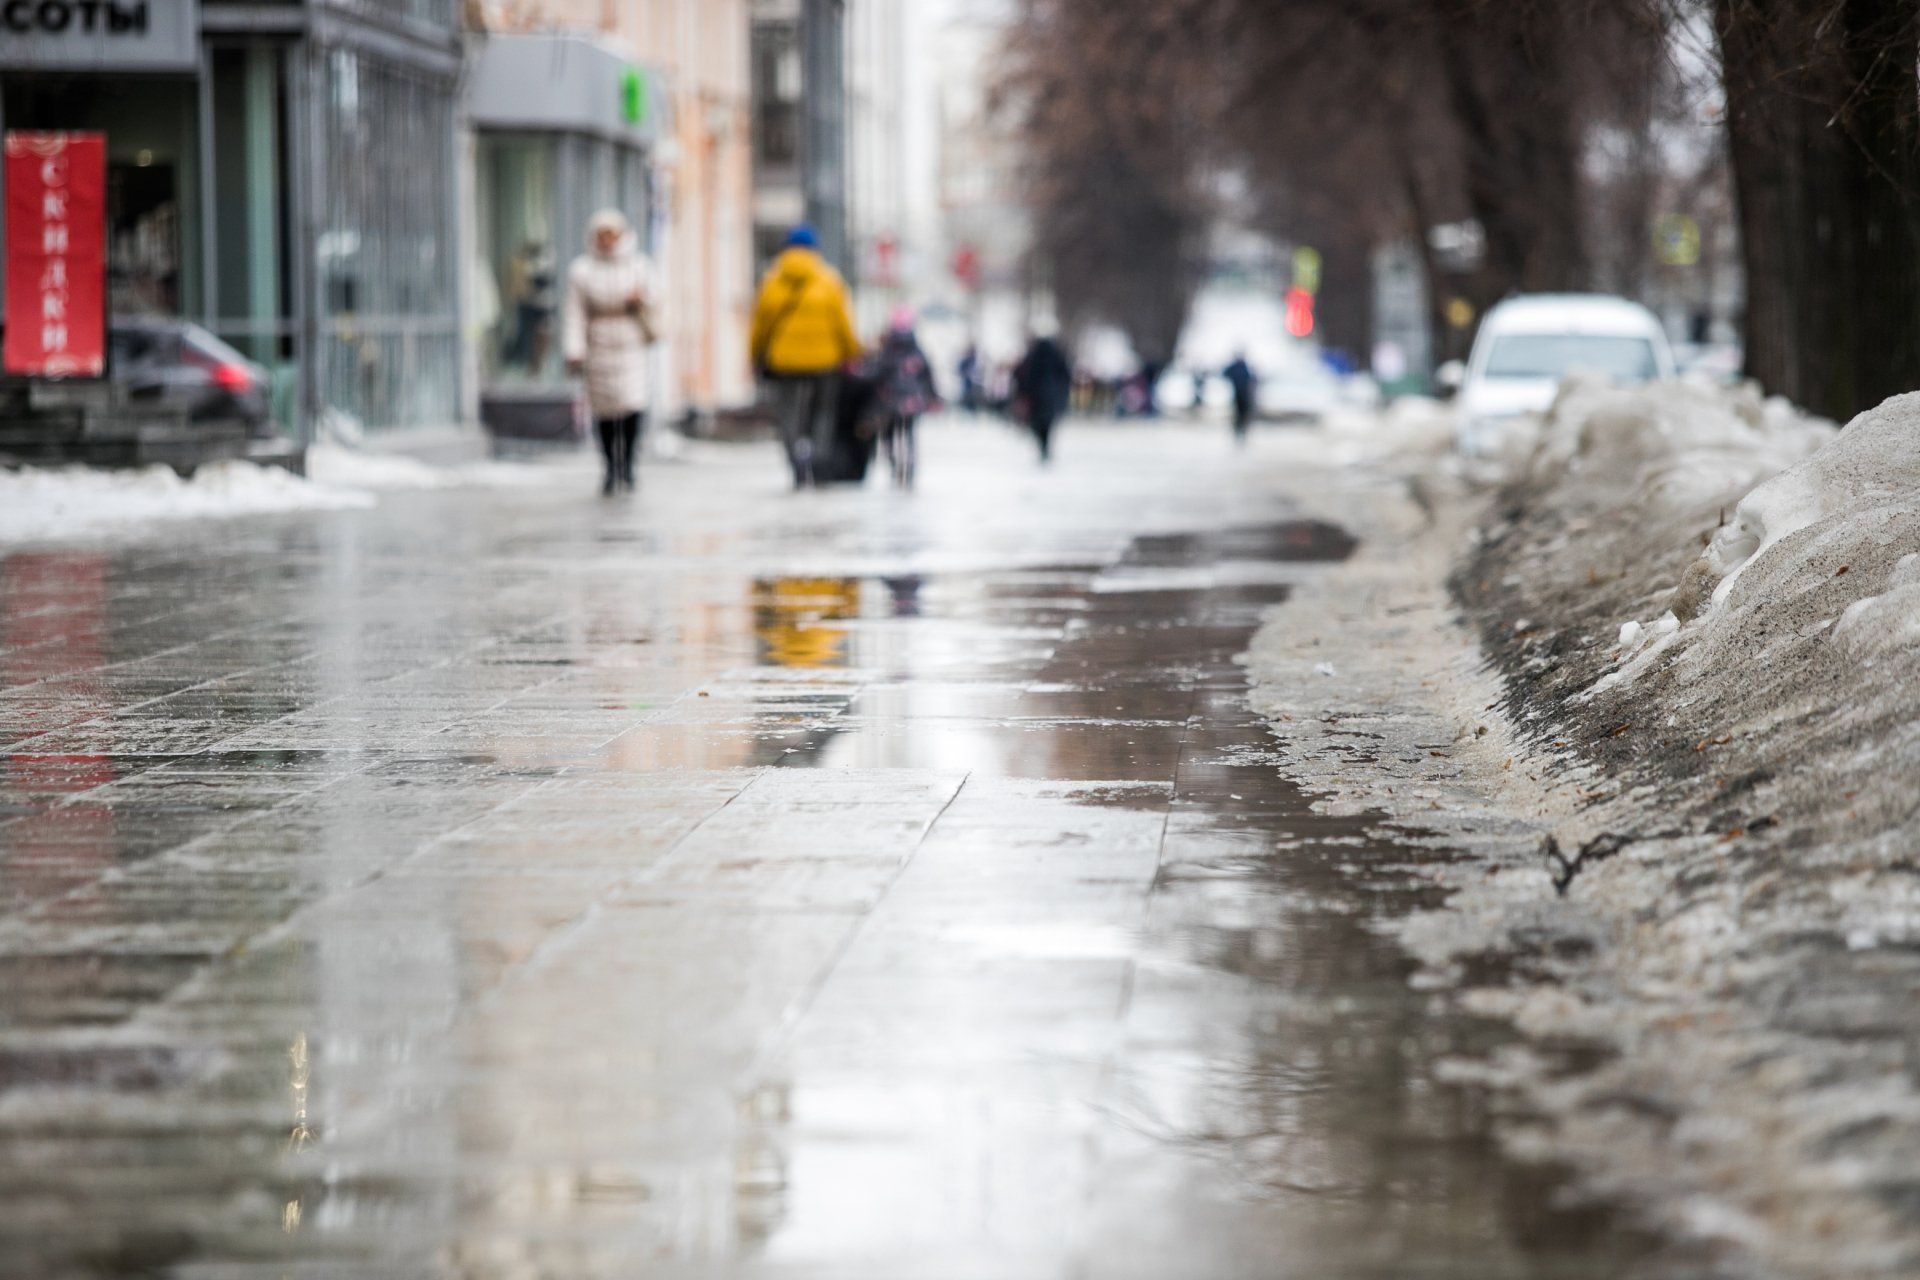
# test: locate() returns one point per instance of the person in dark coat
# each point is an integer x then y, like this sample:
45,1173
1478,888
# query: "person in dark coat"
905,391
1241,379
1042,385
968,371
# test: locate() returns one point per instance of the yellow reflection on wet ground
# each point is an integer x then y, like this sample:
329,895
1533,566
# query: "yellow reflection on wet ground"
503,884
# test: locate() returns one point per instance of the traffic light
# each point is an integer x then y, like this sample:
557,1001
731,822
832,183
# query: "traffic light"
1299,312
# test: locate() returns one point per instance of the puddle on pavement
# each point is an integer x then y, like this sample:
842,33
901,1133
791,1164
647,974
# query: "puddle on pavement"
1021,959
1273,1105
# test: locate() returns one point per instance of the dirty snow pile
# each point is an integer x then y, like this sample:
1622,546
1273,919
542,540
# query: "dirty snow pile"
1705,611
1408,426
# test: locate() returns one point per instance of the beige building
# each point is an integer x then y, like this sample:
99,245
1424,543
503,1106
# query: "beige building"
677,87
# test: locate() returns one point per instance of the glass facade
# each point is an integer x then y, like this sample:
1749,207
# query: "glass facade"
518,229
299,195
536,191
388,352
251,286
441,14
153,176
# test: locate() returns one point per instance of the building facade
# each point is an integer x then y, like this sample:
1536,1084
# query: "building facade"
374,199
879,230
283,174
562,126
693,207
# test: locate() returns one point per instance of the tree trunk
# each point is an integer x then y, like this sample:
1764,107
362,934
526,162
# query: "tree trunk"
1442,343
1522,157
1878,182
1821,130
1345,304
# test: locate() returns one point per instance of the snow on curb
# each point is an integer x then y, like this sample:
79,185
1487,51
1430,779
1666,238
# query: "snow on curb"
1723,605
56,504
1736,959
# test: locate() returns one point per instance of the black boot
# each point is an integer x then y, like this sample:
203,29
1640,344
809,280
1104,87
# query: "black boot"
610,454
629,446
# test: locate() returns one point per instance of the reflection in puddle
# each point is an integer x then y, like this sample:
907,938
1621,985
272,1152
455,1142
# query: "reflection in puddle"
793,620
502,951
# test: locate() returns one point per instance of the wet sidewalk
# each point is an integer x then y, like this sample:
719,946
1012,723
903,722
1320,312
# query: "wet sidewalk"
508,883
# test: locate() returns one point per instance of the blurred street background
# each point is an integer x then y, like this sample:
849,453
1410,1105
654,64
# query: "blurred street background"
989,639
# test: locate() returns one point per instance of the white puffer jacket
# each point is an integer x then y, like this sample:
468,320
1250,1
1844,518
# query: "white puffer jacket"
599,329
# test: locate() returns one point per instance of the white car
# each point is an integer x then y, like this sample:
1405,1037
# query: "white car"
1528,344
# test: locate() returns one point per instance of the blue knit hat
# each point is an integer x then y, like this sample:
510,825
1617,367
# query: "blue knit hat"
803,237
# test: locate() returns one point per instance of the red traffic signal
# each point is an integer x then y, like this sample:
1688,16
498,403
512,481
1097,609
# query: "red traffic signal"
1299,313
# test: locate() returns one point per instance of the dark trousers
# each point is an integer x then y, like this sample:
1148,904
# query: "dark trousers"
1040,422
805,404
1242,415
619,439
899,443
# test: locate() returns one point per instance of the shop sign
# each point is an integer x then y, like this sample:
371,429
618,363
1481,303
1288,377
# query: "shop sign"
99,35
56,254
633,97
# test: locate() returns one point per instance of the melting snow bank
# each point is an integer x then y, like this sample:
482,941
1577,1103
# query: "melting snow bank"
1684,791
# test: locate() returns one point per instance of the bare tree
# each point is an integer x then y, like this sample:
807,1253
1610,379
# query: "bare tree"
1361,121
1821,106
1114,122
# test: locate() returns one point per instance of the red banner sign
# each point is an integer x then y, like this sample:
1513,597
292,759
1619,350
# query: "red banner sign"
56,306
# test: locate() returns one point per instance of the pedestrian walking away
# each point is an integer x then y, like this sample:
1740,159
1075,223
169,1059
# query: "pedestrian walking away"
906,390
968,372
1042,383
802,337
608,325
1240,377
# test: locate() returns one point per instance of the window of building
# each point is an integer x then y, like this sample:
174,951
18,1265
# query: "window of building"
517,228
536,192
389,350
153,183
776,94
250,235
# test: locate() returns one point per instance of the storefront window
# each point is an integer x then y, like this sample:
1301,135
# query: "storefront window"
517,227
153,193
389,352
536,192
438,13
249,234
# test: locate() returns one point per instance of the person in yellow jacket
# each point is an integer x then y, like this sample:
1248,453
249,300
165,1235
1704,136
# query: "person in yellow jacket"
802,336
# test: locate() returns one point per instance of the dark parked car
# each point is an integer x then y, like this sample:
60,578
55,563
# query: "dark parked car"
180,365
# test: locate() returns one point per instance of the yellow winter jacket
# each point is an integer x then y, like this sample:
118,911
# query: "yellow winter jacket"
801,321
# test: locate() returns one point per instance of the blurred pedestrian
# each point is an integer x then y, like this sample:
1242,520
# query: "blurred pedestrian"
530,289
906,391
1042,384
802,336
1241,380
608,326
968,371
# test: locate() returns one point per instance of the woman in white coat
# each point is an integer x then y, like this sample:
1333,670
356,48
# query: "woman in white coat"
605,331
